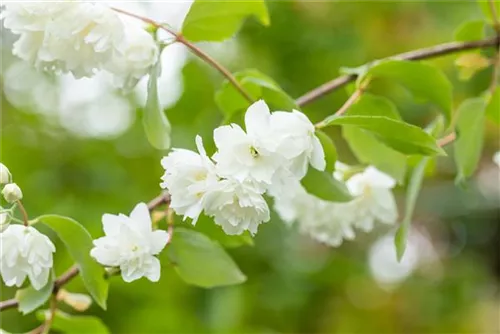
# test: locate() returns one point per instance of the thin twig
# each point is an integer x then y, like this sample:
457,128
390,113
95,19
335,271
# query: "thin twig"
196,50
23,212
52,314
447,139
426,53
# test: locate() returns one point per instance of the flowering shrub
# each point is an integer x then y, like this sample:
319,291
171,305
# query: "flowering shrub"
277,160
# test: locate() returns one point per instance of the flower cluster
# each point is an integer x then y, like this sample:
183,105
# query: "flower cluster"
131,244
81,38
24,252
230,185
330,222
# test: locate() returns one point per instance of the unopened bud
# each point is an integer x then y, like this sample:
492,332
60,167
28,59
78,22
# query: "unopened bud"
80,302
12,193
5,219
4,174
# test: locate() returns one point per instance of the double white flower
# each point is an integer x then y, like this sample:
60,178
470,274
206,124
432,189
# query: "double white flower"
25,252
81,38
247,164
131,244
330,222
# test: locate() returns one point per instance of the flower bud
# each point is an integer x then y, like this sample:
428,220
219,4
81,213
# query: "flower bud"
80,302
4,174
12,193
5,219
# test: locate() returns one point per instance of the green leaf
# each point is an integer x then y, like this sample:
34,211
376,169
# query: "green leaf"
470,137
485,7
366,147
70,324
412,192
206,226
259,86
219,20
201,261
493,107
401,136
79,243
470,31
329,149
424,81
154,120
30,299
323,185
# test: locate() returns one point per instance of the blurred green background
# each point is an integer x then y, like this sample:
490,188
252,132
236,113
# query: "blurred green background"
294,284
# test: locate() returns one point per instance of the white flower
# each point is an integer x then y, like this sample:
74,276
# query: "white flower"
25,252
5,176
251,155
12,193
374,199
130,244
324,221
68,36
188,177
496,158
237,206
5,219
297,142
140,54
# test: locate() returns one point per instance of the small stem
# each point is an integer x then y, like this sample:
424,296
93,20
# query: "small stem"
447,139
23,212
52,314
494,15
197,51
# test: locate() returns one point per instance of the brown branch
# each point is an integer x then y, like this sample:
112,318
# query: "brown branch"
426,53
196,50
72,272
447,139
23,212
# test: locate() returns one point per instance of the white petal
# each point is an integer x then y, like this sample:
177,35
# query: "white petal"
40,280
379,179
257,118
228,136
318,155
111,224
141,217
158,241
130,272
153,271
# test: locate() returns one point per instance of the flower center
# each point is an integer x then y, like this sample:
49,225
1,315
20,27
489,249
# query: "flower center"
254,152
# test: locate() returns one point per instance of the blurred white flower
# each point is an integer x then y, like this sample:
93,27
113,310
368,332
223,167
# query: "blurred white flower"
139,55
237,206
188,177
5,176
131,244
12,193
374,200
297,142
69,36
25,252
252,155
78,301
496,158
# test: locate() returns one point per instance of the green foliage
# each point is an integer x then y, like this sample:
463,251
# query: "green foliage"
79,243
493,107
470,137
329,149
366,147
154,120
206,226
259,86
470,31
486,8
30,299
401,136
414,185
201,261
219,20
71,324
323,185
424,81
